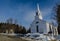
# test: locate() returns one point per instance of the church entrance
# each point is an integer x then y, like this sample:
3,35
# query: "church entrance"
37,28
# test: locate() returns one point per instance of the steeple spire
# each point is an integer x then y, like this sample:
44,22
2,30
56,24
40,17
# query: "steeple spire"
38,13
38,7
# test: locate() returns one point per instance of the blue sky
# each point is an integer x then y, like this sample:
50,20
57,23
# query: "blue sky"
24,10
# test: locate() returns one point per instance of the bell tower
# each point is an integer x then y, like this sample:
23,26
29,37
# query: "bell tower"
38,12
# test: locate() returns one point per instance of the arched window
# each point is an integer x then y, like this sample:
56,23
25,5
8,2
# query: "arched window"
37,22
50,29
36,13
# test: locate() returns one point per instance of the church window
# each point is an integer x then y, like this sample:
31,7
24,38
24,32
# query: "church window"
37,28
37,22
36,13
50,27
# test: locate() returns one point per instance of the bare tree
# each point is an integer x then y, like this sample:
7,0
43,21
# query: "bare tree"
57,16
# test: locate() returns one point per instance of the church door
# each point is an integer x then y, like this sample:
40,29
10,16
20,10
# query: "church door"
37,28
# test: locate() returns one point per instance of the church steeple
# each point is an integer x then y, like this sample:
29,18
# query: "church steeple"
38,13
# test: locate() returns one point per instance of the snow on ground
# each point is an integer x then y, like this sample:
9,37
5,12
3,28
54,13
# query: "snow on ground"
45,38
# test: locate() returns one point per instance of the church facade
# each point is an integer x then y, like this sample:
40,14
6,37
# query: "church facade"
40,26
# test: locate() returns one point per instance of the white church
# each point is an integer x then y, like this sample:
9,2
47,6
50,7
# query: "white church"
40,26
